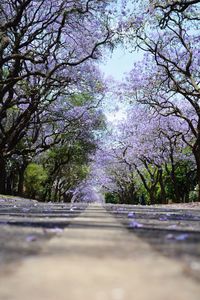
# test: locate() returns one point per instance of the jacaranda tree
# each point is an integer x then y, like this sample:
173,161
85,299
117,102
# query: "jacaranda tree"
46,49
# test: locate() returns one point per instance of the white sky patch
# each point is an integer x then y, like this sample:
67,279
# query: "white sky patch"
119,62
115,116
115,67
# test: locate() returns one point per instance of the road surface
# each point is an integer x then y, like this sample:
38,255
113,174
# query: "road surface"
72,252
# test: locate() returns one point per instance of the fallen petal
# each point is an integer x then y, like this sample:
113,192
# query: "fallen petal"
31,238
164,218
131,214
170,236
172,226
182,237
134,224
56,230
25,209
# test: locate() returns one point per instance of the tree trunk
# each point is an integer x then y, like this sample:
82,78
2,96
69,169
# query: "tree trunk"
196,152
2,176
174,181
9,185
56,192
162,188
20,190
151,196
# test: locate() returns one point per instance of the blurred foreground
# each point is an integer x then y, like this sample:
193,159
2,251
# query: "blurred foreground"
62,251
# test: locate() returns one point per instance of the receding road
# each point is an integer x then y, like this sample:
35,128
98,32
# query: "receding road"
65,252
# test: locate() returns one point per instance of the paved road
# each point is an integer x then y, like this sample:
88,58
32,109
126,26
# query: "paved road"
60,252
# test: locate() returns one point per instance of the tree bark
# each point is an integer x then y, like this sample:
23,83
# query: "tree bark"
196,152
162,188
2,176
9,185
20,189
152,196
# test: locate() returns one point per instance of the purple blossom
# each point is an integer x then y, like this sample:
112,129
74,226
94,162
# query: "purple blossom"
134,224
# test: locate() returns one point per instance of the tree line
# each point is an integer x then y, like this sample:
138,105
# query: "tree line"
50,89
154,154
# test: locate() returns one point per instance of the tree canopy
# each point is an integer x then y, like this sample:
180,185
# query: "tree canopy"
54,144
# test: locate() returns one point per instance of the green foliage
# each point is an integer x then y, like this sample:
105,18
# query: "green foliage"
80,99
112,198
193,195
185,181
66,166
185,177
35,177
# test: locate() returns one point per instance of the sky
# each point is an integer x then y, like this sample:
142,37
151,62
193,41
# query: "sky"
119,62
116,65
